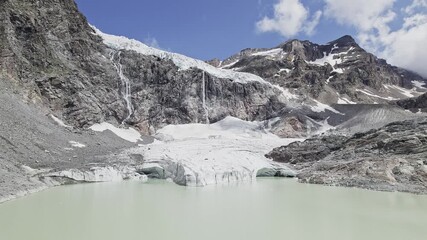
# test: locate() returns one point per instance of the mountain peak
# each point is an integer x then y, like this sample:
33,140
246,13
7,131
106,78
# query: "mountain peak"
344,41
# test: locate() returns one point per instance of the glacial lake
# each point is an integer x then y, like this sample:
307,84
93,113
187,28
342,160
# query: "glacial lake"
266,209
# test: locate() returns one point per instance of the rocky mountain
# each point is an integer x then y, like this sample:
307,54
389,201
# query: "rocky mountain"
53,57
337,72
85,76
74,100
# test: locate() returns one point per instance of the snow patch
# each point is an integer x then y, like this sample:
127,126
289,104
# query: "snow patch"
59,122
369,93
338,70
269,53
332,59
406,92
228,128
343,100
77,144
287,70
321,107
230,64
129,134
419,84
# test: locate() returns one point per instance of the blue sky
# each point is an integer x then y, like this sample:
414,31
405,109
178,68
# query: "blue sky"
203,29
392,29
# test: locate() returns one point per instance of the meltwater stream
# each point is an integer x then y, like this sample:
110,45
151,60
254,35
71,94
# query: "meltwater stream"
267,209
205,107
125,83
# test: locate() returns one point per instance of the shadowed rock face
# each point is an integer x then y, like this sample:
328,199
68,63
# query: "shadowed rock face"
418,104
326,72
392,158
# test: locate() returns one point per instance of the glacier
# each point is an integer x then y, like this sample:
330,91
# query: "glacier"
100,174
231,150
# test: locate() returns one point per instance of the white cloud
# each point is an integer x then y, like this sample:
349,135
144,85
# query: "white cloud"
416,4
402,46
406,47
310,26
374,21
290,18
415,20
362,14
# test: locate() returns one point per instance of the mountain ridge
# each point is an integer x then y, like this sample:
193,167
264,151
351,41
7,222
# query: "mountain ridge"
340,67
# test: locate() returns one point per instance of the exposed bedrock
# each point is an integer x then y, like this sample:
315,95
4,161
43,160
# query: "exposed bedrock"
392,158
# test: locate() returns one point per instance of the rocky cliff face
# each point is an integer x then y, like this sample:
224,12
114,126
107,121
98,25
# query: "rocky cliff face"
337,72
50,55
391,158
162,94
53,57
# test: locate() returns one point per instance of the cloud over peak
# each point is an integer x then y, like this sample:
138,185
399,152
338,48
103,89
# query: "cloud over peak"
290,18
374,21
398,35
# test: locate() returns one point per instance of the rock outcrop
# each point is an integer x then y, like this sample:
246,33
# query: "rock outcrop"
416,105
392,158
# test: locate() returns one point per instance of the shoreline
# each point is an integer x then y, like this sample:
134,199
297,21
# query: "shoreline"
53,181
28,192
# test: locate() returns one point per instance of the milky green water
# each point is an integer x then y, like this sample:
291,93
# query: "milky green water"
268,209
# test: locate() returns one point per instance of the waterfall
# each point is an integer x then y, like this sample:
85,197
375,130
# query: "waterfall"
125,84
206,110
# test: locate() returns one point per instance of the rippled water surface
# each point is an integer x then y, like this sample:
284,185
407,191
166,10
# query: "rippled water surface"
266,209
